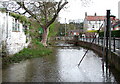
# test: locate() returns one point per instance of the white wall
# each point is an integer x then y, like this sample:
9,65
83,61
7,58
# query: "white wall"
2,28
14,40
0,32
96,24
119,9
88,25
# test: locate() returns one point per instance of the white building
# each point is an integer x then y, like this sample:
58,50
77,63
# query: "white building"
93,22
119,10
12,34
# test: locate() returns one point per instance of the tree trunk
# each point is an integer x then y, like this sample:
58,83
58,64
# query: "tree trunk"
44,36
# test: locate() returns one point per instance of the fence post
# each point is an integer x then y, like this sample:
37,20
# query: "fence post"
95,40
90,38
102,41
114,43
118,43
86,39
98,40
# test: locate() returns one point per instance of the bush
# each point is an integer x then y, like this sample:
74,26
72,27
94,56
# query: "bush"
27,53
92,31
115,33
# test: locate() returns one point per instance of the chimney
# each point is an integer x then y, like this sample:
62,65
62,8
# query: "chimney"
95,14
85,13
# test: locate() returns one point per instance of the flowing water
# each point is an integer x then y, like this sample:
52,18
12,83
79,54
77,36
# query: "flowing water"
62,66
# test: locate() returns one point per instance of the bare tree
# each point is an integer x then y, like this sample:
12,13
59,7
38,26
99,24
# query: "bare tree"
44,12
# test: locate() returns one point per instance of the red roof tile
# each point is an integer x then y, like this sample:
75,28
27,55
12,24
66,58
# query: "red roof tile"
94,18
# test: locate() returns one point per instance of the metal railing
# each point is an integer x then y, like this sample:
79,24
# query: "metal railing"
115,42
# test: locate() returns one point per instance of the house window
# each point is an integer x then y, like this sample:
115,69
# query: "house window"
93,26
15,25
18,27
95,22
89,22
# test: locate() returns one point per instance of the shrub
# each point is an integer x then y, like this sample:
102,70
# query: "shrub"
92,31
27,53
115,33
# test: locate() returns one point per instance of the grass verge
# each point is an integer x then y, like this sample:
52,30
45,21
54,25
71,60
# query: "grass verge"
35,50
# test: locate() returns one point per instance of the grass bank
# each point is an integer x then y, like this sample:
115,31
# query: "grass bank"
35,50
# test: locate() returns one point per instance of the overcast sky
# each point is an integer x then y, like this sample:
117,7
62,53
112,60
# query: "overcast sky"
76,9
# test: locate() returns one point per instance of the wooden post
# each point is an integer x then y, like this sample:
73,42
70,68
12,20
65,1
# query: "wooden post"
114,43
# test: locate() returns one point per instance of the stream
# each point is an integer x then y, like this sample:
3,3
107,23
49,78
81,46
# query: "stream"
62,66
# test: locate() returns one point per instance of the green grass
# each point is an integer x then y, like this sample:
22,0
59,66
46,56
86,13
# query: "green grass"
34,51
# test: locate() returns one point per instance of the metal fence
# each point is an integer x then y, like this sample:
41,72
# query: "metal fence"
115,42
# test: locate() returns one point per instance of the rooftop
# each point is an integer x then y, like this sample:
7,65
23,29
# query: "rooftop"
95,18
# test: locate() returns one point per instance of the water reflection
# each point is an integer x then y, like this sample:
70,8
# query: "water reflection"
62,66
16,72
90,69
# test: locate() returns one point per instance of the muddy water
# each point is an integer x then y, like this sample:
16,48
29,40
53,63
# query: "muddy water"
60,67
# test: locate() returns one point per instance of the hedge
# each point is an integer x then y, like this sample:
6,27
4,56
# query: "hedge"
92,30
115,33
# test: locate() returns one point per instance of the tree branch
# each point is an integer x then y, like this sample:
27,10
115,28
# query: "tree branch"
56,14
28,11
17,9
